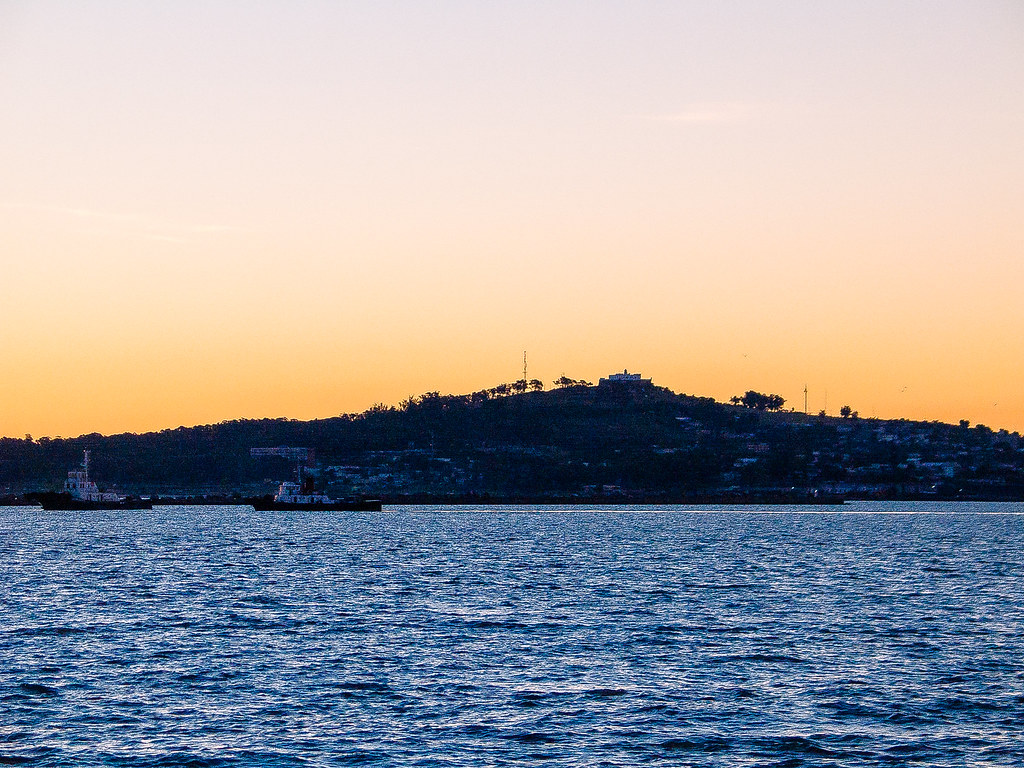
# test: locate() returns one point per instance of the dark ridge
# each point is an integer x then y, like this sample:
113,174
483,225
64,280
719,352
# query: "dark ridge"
576,444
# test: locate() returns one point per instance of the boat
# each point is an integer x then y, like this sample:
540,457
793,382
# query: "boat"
293,496
82,493
301,493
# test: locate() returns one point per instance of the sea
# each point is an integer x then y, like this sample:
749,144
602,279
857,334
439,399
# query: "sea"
856,635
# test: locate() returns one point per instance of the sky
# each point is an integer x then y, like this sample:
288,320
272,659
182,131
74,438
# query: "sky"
224,209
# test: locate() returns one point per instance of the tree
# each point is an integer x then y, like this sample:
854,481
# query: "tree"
759,401
564,381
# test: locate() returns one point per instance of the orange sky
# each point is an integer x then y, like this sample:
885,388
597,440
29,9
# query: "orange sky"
213,211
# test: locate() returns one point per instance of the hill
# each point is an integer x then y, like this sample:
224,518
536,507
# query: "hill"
618,440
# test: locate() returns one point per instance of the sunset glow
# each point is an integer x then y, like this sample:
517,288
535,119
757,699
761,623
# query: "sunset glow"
214,211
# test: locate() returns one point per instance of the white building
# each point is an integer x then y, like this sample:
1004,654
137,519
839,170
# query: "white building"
627,378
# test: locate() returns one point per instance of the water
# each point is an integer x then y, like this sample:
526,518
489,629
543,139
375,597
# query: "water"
216,636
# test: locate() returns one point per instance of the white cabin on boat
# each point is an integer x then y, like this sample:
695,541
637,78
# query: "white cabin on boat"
81,487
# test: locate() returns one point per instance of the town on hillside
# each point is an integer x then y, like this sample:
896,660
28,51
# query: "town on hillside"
624,439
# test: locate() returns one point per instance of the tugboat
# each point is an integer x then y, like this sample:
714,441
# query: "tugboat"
82,493
302,493
292,495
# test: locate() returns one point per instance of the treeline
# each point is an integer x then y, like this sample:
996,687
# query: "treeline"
504,432
520,440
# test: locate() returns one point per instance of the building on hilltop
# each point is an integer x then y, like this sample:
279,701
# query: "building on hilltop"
625,379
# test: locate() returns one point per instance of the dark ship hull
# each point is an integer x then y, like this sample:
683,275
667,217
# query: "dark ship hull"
57,501
268,503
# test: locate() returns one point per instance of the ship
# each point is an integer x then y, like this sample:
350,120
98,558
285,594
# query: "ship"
293,496
80,492
301,493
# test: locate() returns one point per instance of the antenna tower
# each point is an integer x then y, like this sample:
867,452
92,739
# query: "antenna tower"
524,366
805,399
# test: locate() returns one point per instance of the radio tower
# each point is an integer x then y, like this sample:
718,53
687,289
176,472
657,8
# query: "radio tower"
524,367
805,399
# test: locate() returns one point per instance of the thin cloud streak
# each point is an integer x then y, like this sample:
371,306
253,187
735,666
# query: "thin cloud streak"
705,113
145,226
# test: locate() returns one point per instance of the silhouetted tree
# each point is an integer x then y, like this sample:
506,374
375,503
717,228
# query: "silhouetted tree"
760,402
564,381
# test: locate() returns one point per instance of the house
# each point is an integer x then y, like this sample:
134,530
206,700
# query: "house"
627,379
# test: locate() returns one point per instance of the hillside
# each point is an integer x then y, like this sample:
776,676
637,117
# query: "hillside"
642,443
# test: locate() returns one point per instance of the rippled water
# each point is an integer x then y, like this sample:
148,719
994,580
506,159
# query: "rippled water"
217,636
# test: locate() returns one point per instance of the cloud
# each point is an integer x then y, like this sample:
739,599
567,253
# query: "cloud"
214,228
705,113
149,227
167,239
